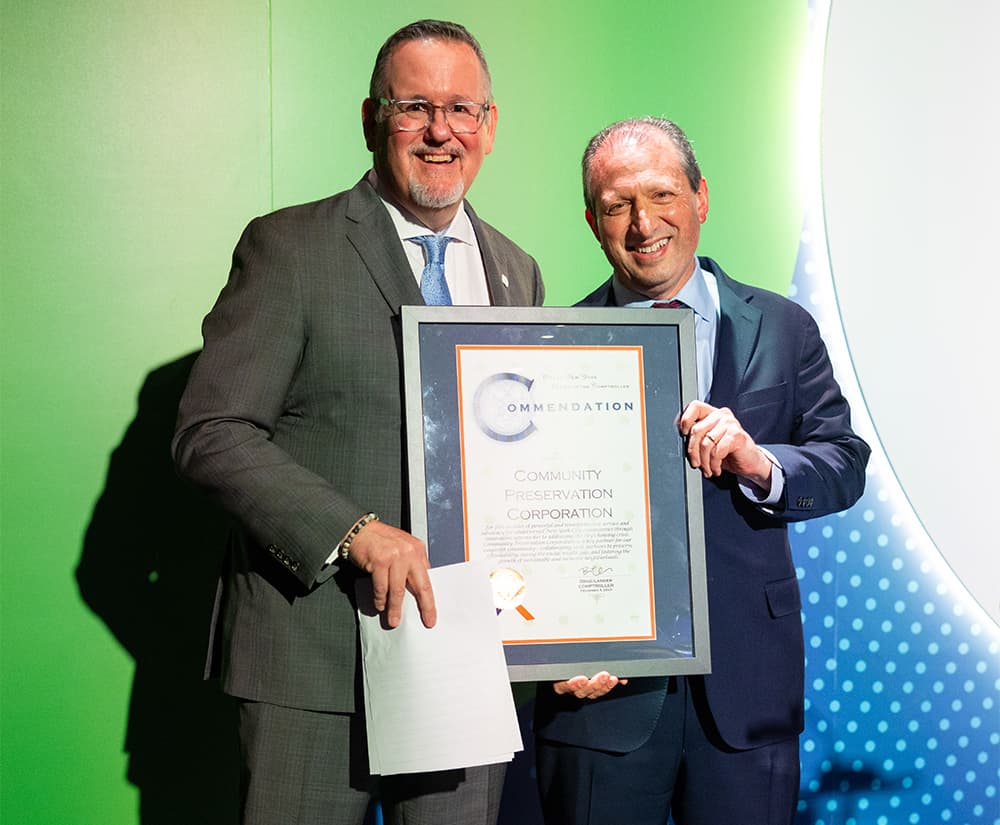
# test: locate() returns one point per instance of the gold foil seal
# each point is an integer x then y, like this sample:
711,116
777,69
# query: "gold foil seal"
508,588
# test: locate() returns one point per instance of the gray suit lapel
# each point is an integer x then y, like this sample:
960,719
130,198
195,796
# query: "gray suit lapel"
497,277
374,237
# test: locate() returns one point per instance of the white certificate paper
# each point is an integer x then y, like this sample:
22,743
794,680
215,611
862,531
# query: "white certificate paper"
438,698
565,528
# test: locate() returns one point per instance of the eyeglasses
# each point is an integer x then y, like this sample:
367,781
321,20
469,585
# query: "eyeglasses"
462,117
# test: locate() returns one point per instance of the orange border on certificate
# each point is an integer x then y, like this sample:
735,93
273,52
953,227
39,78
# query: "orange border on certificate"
638,350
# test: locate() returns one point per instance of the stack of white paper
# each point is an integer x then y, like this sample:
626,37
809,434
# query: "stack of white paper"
438,698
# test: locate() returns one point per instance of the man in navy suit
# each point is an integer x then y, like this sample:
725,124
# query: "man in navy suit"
772,437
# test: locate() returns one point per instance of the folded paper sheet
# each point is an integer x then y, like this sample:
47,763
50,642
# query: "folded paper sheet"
438,698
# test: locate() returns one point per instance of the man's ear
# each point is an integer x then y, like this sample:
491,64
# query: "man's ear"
489,129
368,109
592,223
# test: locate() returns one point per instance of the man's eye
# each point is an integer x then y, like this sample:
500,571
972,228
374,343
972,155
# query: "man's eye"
460,109
412,107
615,208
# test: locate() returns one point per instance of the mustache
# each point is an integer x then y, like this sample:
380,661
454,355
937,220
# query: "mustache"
456,151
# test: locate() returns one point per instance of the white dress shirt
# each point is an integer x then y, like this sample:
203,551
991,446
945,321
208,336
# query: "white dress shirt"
701,293
463,262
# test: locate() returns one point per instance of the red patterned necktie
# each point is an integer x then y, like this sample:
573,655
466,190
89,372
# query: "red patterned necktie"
674,304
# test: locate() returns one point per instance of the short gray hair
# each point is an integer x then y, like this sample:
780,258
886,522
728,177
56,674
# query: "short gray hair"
424,30
639,127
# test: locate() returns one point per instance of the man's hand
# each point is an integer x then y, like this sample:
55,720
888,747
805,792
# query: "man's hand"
583,688
717,442
397,562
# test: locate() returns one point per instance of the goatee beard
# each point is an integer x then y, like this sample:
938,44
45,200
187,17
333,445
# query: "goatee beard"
433,197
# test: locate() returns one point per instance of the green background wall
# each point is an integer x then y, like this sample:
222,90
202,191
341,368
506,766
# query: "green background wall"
136,140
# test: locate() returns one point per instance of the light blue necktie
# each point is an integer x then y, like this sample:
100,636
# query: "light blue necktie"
433,285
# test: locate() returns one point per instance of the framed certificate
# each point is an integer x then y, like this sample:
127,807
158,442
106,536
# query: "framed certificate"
544,442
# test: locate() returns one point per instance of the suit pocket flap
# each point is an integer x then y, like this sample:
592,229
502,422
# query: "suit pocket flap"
783,597
762,397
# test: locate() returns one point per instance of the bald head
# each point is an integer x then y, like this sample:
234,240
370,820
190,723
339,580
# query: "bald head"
625,133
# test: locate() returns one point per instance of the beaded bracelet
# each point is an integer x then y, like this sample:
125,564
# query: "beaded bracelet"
345,545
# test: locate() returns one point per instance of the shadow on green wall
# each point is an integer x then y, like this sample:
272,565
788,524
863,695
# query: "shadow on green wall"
149,567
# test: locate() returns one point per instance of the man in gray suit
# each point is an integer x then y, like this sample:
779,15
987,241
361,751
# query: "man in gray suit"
293,422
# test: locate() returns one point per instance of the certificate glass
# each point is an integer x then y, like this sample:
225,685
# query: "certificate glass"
544,442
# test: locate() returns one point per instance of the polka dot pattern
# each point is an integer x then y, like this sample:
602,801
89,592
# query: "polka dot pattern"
902,665
902,721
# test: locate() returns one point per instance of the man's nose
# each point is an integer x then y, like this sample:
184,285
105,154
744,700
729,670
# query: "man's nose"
437,126
641,220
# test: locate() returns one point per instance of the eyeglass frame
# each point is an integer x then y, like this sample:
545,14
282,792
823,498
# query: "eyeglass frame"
480,119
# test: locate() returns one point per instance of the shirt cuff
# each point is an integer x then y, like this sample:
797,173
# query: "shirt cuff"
754,493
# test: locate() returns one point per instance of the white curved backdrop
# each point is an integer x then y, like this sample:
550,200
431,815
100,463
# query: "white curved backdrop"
911,175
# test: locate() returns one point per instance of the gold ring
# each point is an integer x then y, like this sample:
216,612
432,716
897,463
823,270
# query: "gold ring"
709,437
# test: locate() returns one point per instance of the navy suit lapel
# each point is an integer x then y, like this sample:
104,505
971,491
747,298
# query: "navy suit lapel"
739,330
603,296
372,234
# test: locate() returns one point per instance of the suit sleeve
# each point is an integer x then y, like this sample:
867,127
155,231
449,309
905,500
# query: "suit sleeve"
823,459
234,403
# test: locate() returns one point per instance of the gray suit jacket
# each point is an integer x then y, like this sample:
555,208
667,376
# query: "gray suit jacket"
293,422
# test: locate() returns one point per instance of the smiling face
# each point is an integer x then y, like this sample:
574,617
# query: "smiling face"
429,172
645,213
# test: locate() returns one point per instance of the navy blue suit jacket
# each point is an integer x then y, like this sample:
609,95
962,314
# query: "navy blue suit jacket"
772,370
